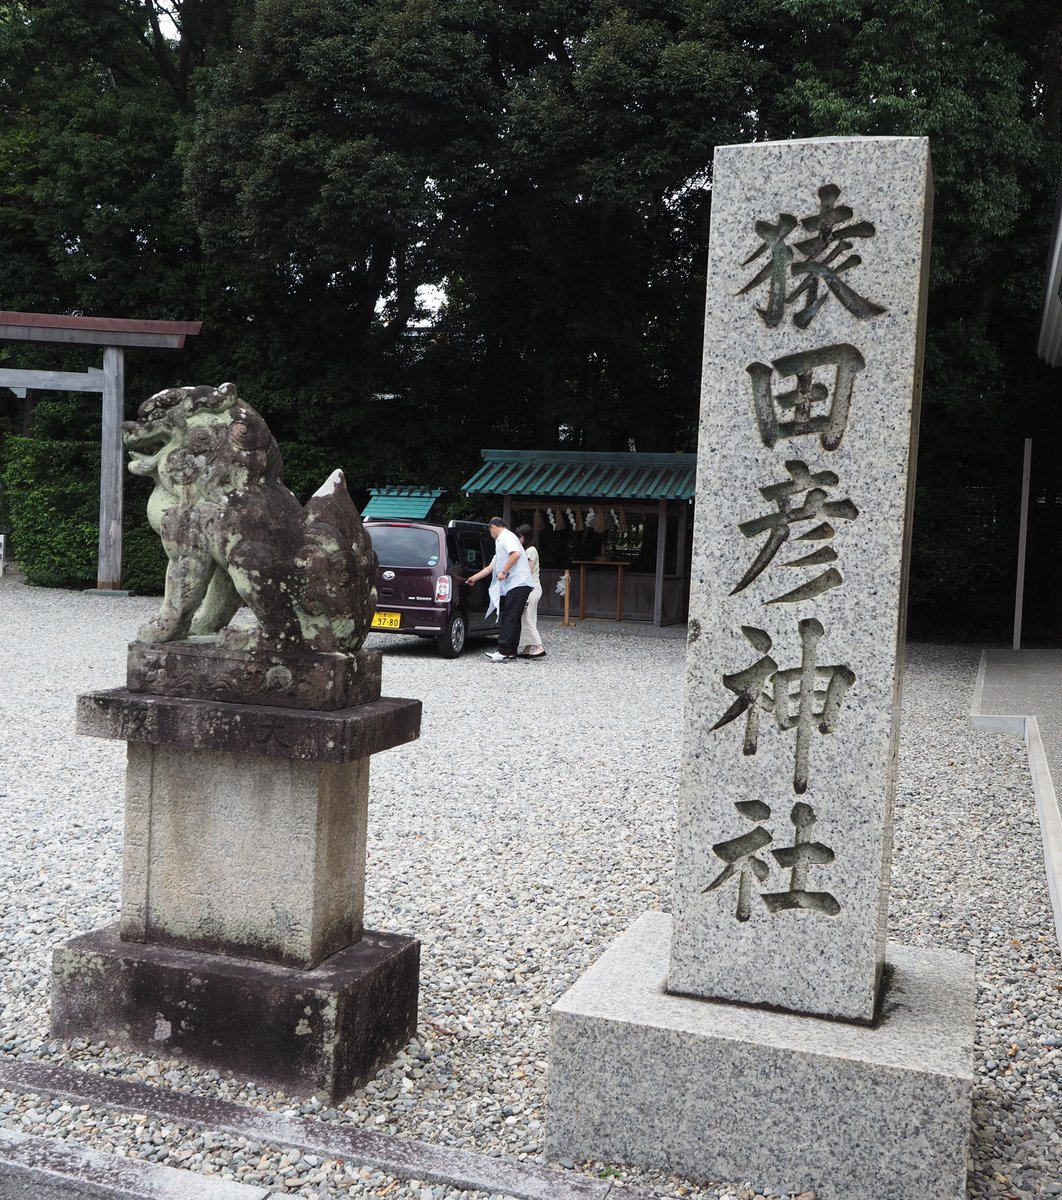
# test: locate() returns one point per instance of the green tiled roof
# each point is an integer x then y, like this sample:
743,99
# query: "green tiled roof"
573,474
411,503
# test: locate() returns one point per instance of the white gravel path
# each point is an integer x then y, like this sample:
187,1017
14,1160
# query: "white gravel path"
513,890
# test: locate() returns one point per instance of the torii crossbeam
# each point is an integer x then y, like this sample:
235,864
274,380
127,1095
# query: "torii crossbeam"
114,335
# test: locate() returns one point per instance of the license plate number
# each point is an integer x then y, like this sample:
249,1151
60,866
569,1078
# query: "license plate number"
386,620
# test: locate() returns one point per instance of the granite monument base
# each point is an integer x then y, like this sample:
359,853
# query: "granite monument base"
324,1031
718,1091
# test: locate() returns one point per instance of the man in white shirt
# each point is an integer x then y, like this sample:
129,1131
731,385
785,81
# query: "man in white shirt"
512,578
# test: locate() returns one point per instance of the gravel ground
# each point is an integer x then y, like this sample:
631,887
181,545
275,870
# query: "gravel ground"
513,890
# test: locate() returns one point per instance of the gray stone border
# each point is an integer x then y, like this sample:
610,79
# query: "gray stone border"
1047,807
44,1168
402,1157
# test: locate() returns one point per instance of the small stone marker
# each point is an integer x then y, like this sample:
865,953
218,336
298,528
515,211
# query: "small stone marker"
695,1044
810,396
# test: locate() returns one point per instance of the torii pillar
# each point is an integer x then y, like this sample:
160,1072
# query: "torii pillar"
114,335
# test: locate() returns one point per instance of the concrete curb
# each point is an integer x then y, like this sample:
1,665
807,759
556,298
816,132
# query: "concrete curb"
1047,807
41,1168
402,1157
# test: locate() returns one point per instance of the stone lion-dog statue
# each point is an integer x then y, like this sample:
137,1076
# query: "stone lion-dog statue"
234,534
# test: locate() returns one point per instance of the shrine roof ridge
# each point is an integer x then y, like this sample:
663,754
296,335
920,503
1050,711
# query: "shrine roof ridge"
603,475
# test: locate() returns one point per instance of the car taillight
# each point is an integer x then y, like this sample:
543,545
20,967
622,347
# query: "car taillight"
442,589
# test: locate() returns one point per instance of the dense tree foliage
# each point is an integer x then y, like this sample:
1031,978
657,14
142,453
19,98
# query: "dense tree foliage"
301,174
576,290
975,78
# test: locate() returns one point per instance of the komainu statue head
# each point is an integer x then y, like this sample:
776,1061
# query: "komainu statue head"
234,534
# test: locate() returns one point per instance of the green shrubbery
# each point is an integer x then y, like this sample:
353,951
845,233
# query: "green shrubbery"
307,467
143,558
50,496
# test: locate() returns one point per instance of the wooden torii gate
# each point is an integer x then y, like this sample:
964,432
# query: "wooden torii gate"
114,335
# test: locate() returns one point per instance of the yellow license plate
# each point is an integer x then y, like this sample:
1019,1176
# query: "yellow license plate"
386,620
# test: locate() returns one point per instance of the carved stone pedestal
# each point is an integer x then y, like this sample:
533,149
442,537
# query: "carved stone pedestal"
203,669
241,943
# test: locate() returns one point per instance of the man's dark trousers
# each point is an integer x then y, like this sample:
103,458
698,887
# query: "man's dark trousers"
510,611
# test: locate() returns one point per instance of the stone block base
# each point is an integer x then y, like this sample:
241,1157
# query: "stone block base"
323,1031
722,1092
207,669
340,736
240,854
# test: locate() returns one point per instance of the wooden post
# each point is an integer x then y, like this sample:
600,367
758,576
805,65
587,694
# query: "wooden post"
1023,531
661,548
109,576
680,544
567,598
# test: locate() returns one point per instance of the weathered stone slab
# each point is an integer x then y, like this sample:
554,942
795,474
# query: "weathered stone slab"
323,1031
730,1092
237,853
340,736
203,669
43,1168
404,1157
812,362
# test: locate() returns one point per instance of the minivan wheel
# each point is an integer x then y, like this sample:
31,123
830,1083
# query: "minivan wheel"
452,640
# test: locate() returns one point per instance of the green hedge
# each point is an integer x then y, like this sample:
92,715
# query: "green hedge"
143,558
51,495
306,467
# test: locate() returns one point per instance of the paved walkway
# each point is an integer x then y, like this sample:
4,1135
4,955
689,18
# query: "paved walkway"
1020,691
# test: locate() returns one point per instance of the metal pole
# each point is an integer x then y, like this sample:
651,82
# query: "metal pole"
110,545
1023,529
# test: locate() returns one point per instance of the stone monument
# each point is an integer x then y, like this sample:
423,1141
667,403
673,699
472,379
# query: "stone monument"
764,1029
241,942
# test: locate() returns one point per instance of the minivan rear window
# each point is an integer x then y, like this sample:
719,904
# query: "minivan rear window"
404,545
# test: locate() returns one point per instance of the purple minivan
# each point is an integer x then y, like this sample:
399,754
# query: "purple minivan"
420,580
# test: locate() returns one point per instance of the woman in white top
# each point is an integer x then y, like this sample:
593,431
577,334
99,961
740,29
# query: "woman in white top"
530,642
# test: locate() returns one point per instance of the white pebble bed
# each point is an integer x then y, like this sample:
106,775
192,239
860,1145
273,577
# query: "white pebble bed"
528,826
